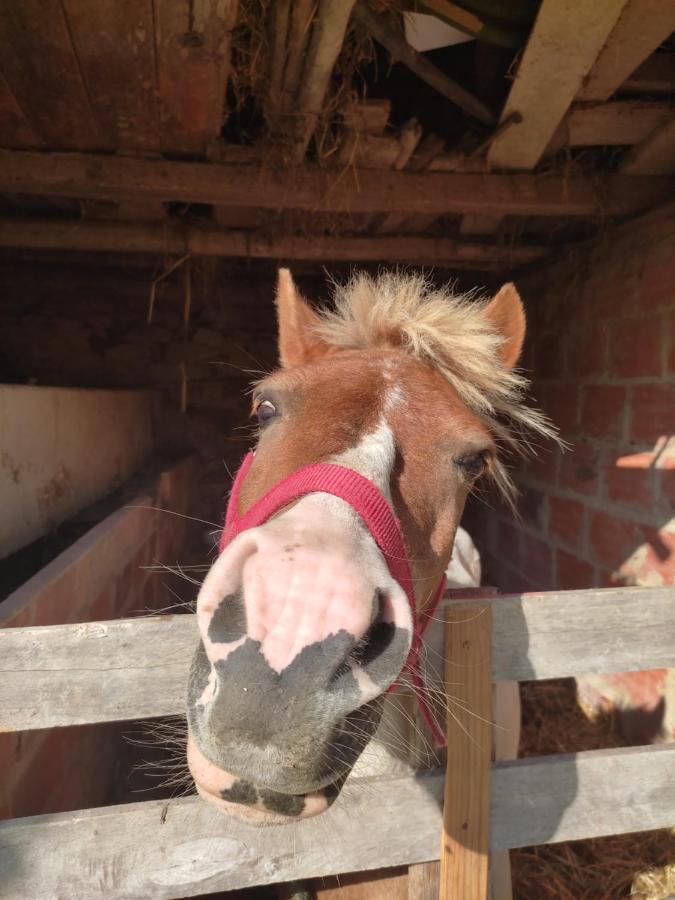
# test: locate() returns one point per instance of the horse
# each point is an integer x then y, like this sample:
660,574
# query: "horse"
387,410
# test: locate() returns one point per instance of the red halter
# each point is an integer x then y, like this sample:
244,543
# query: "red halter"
380,520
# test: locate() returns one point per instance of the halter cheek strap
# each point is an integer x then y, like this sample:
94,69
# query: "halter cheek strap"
380,520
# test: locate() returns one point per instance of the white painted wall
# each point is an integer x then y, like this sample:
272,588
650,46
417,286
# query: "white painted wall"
63,448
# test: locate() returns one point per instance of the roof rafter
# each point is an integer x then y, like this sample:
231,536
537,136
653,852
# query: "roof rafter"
177,238
311,188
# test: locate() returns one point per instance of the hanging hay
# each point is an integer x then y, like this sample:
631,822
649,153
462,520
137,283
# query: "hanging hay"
629,865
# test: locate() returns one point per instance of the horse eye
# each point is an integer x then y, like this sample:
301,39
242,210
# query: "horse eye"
265,412
473,465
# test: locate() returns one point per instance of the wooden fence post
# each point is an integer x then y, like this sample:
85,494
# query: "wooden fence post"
466,811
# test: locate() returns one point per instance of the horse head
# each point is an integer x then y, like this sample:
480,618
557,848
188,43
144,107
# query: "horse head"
305,618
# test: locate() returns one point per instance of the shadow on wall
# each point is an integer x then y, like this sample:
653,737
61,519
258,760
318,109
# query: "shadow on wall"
594,516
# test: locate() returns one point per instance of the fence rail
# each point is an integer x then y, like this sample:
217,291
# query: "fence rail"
165,849
137,668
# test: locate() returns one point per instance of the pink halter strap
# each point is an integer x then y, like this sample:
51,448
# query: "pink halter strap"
380,520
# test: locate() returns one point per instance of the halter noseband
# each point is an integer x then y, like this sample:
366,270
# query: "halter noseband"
380,520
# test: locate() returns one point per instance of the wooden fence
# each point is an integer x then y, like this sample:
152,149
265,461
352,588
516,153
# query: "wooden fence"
136,668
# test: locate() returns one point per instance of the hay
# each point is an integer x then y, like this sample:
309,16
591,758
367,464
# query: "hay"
641,866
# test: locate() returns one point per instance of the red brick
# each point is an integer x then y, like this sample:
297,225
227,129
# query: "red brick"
544,466
567,520
652,412
657,564
633,486
580,469
665,488
537,562
612,539
587,351
612,291
636,347
549,357
532,506
508,546
603,411
657,288
573,572
670,347
561,403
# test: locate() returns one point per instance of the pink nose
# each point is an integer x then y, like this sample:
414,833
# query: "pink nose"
287,595
307,591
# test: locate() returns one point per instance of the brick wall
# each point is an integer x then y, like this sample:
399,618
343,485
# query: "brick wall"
601,354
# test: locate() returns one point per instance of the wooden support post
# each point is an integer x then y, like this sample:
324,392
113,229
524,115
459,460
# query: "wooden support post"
466,810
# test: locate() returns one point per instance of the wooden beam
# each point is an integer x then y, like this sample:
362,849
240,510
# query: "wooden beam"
108,671
15,130
543,90
622,122
466,804
328,34
319,189
169,848
193,65
176,238
656,75
38,61
655,155
114,45
400,50
642,26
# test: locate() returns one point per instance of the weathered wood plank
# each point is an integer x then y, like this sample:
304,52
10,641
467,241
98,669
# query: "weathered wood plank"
193,61
15,130
38,61
622,122
314,189
114,43
656,75
108,671
578,795
164,849
174,237
466,802
424,881
94,672
642,26
655,155
543,91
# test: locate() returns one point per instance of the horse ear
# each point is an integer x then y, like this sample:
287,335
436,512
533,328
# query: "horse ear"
506,314
297,340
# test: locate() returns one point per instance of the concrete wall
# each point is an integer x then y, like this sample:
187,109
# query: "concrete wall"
63,448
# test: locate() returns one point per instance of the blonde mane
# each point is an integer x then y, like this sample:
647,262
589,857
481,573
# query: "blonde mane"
448,330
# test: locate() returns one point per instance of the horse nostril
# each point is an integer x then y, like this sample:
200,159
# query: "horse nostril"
373,643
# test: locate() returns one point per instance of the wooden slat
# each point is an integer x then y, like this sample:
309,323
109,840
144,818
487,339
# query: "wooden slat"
15,130
655,155
41,68
620,122
314,189
543,90
535,636
424,881
193,60
656,75
466,803
578,795
165,849
173,237
94,672
641,28
114,44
